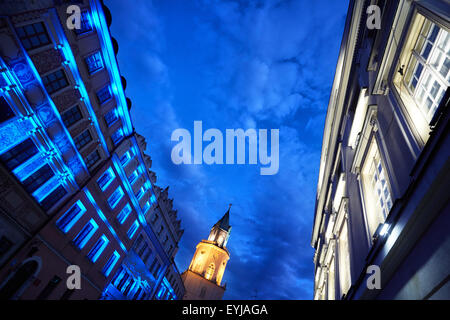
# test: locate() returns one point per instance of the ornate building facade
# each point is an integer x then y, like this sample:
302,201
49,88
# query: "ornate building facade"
76,186
382,196
202,280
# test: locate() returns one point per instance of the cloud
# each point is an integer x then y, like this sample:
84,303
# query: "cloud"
237,64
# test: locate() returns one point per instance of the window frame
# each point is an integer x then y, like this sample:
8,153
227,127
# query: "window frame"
94,59
400,57
45,32
65,228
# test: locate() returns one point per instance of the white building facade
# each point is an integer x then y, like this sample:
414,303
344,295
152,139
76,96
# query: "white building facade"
384,179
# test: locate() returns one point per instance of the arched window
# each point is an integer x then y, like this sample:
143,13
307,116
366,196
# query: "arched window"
210,271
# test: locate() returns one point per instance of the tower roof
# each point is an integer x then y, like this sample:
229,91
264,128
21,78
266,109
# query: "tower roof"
224,223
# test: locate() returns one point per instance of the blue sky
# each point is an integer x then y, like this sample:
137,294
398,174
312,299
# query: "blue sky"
236,64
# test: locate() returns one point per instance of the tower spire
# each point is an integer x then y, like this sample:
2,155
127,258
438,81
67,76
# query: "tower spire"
224,223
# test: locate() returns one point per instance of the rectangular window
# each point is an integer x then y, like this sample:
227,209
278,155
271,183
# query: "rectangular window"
92,159
103,95
377,196
117,136
133,229
94,62
98,248
53,198
82,139
111,263
19,154
85,234
55,81
111,117
124,213
6,112
146,206
153,198
114,199
125,158
71,116
427,75
133,176
33,35
106,178
38,178
68,219
140,193
344,260
85,23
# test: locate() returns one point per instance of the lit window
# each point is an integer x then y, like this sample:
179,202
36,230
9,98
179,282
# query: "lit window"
124,213
153,198
140,193
92,159
33,35
111,263
103,95
82,139
106,178
85,234
56,195
377,196
133,229
19,154
94,62
133,176
117,136
55,81
344,260
146,206
85,23
125,158
111,117
114,199
98,248
71,116
38,178
210,271
427,74
68,219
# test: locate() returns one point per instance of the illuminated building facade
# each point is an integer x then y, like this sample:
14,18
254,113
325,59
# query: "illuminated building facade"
382,196
76,186
202,280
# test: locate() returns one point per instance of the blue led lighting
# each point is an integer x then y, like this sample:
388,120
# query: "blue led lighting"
71,216
98,248
87,237
109,59
44,190
103,218
32,115
72,65
109,266
106,179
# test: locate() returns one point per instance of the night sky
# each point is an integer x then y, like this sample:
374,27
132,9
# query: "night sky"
236,64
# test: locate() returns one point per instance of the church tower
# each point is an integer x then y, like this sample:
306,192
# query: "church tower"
202,280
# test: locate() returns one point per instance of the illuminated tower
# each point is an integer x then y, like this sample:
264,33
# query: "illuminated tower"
203,279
